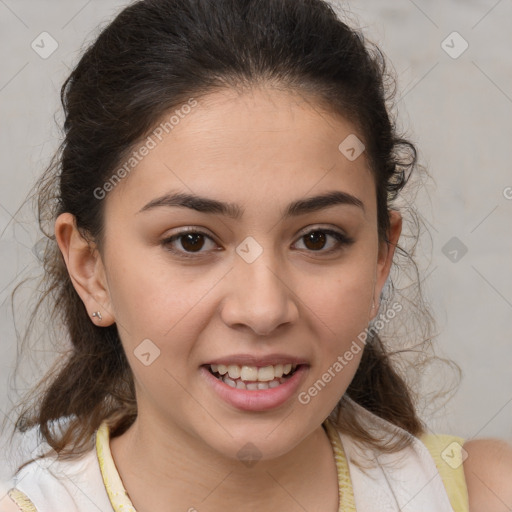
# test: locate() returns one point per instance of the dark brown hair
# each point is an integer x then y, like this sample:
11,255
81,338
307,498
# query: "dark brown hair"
152,58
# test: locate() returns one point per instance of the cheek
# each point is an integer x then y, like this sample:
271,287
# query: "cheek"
342,297
166,304
157,323
341,309
149,302
144,288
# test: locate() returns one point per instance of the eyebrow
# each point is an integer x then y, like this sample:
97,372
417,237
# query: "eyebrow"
234,211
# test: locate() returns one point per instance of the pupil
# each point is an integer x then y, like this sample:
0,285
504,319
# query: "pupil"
193,239
316,237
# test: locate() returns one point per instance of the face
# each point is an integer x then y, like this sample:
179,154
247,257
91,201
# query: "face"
257,276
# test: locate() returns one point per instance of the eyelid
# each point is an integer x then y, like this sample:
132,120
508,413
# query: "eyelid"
191,229
320,227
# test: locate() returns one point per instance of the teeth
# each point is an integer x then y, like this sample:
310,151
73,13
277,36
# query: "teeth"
249,373
278,371
230,382
234,371
263,374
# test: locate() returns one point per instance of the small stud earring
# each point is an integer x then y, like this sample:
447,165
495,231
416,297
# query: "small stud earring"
97,314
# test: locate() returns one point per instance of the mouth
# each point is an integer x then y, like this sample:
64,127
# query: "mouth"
253,378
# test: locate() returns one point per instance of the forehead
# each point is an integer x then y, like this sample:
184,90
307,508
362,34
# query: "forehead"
244,147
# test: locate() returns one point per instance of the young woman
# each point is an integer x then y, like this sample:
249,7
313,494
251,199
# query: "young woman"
224,234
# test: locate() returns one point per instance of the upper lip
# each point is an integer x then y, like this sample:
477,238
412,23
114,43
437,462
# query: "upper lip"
252,360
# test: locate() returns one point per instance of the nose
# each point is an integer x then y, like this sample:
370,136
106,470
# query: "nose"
259,296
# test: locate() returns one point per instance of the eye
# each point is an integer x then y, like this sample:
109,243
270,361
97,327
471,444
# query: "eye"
189,243
190,240
316,240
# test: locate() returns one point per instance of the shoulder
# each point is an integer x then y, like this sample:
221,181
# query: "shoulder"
488,473
37,484
59,485
8,505
16,501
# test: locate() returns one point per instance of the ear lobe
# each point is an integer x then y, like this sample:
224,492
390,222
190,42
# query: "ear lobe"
386,253
85,269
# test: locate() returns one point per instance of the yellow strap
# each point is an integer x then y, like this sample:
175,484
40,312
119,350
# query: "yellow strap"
346,493
21,500
117,494
448,454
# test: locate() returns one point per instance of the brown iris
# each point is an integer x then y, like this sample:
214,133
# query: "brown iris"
317,238
192,241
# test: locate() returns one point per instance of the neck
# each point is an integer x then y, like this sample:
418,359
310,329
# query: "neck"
172,471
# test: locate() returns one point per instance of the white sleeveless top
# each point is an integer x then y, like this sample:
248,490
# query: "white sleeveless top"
404,481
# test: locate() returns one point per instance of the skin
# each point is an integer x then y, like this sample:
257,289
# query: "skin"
262,149
488,473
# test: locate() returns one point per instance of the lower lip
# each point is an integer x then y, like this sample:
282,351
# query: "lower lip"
258,399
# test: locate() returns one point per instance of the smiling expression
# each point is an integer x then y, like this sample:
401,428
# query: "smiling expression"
244,250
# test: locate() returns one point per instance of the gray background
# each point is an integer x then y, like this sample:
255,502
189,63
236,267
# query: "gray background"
457,110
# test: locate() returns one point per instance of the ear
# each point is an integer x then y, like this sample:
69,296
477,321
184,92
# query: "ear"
386,253
85,269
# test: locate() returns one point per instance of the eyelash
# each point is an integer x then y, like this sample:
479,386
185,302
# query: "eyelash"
343,241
